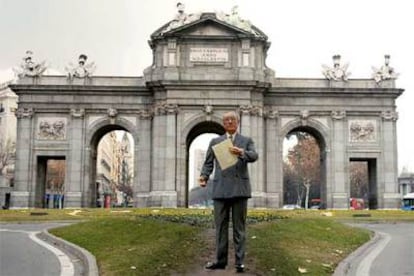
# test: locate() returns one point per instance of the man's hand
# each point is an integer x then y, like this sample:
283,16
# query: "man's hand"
202,181
237,151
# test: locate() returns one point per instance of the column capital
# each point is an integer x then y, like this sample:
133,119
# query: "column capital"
270,113
389,115
251,110
77,112
338,114
145,114
162,108
22,112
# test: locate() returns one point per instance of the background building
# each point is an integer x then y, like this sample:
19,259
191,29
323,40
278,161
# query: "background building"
406,182
8,105
107,170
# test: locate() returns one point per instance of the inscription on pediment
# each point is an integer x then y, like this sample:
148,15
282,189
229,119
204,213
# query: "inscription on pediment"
210,55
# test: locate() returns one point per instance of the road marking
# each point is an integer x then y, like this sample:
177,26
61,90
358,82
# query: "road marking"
365,264
66,266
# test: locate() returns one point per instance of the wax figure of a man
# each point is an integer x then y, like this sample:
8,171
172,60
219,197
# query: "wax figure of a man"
231,190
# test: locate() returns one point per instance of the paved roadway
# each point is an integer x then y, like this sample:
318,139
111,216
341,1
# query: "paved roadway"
22,252
390,253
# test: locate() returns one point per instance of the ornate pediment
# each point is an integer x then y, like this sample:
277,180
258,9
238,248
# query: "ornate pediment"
209,24
211,28
226,42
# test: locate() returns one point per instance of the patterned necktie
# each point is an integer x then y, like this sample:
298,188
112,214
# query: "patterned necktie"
231,138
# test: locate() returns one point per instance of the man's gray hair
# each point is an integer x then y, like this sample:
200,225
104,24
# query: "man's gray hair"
233,114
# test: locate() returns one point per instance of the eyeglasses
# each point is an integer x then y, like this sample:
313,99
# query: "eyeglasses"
229,120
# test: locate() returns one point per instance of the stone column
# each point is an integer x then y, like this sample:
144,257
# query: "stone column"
252,126
163,192
22,195
337,179
75,162
273,163
142,159
171,150
391,198
181,168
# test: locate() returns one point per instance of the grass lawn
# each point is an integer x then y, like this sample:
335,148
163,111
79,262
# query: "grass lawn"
302,246
167,241
136,246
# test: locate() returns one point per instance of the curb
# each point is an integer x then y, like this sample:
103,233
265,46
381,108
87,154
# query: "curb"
88,260
351,262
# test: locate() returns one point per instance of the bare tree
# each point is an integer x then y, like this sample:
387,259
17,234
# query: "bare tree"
359,179
56,175
7,154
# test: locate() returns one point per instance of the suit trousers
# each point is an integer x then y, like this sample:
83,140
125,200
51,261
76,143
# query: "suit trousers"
238,207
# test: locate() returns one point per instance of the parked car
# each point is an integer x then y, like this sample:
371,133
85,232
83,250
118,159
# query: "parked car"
356,203
315,204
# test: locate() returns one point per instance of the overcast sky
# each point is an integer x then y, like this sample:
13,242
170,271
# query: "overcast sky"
304,35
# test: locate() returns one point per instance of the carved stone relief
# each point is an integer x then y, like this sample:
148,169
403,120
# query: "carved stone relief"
24,112
29,67
82,69
304,116
338,114
362,130
77,113
51,129
208,109
385,72
112,112
389,115
162,108
252,110
337,72
145,114
270,113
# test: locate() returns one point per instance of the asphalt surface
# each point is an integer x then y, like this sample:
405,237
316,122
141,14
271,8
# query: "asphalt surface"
28,249
390,252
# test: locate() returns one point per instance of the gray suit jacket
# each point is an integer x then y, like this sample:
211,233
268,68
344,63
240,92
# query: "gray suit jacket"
234,181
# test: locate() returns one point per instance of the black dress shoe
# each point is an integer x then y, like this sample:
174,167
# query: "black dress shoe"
240,268
213,266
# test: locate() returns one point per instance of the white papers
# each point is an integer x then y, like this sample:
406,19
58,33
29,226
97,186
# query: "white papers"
223,155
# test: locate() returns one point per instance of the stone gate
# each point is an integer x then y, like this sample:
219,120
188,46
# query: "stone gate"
204,65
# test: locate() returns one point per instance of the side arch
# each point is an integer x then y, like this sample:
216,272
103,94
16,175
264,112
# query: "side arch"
106,125
93,135
321,134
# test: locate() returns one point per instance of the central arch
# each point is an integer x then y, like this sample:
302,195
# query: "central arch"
196,131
